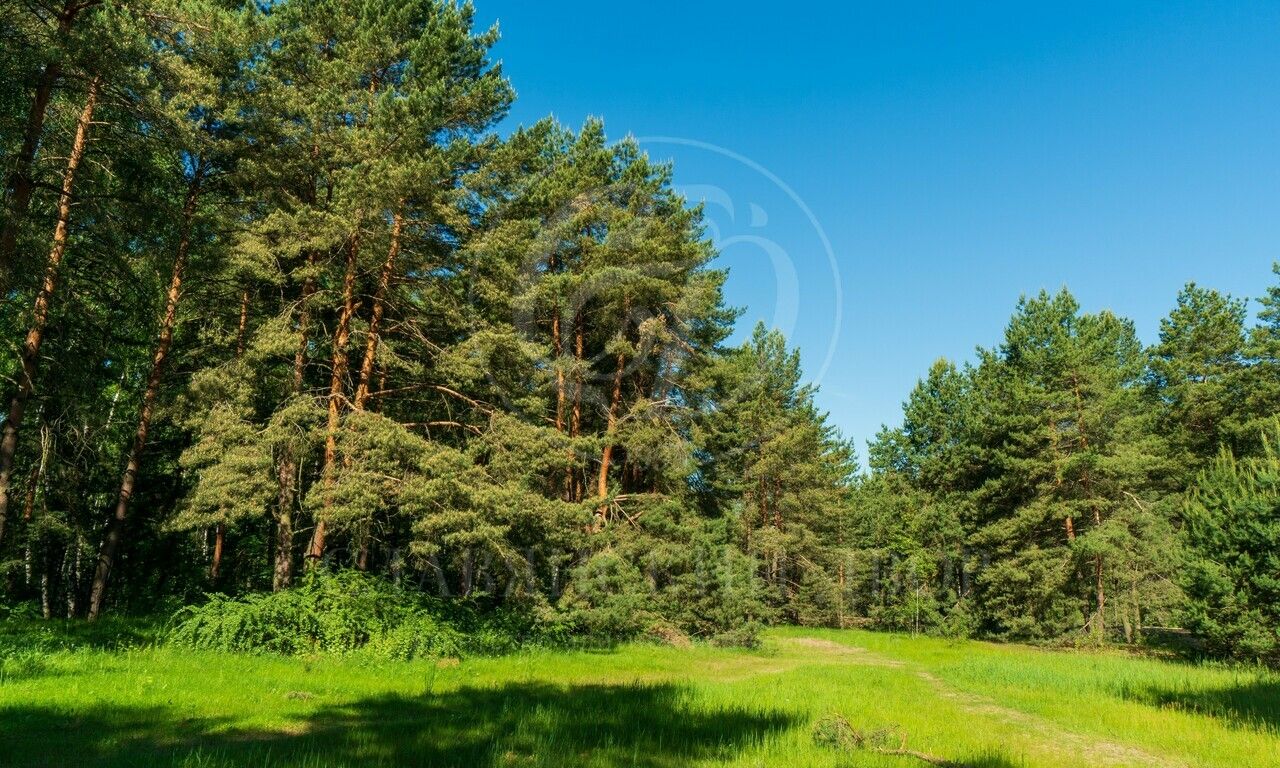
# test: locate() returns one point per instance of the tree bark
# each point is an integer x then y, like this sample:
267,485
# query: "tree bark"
375,318
115,528
575,422
557,349
20,184
219,540
579,343
369,362
243,324
337,387
606,456
282,576
40,314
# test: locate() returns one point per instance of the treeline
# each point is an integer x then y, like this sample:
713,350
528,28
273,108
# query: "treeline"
1072,483
277,297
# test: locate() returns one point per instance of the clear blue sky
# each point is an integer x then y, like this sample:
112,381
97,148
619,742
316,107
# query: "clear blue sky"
955,158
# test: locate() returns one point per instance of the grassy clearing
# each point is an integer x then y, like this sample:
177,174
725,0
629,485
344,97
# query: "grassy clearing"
974,704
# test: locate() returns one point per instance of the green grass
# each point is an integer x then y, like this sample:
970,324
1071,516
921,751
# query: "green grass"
83,702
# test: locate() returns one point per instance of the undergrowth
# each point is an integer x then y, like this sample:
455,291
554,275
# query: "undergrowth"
350,612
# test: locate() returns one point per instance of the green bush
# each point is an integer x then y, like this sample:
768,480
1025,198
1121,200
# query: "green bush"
348,612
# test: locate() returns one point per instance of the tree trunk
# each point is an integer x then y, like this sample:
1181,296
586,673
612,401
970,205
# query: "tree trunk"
1100,627
337,386
369,362
575,423
282,576
219,540
40,315
557,349
375,318
115,527
243,324
606,457
20,184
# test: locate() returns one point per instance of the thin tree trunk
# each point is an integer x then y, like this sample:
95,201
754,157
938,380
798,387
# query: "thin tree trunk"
575,423
29,506
115,527
40,315
46,606
606,456
282,576
557,348
337,386
243,324
579,343
368,364
219,540
1101,626
375,318
70,575
21,184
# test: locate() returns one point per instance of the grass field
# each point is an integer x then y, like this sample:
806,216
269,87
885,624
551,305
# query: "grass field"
969,704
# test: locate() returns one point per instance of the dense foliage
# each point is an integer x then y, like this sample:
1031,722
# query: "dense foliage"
276,298
1069,483
290,304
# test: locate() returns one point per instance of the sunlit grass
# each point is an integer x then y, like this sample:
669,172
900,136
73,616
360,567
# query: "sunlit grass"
974,704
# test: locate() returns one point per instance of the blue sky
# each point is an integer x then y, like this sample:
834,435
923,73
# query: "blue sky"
952,158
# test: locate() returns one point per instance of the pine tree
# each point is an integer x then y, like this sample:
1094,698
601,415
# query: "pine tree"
1233,575
1071,466
1197,376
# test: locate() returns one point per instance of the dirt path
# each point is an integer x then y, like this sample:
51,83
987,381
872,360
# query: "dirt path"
1057,740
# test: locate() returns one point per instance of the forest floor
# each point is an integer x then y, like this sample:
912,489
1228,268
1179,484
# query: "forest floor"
959,703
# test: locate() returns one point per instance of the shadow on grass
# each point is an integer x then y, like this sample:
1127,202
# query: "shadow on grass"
108,633
515,725
1252,705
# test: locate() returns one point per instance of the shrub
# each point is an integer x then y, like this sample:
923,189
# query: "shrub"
344,613
746,635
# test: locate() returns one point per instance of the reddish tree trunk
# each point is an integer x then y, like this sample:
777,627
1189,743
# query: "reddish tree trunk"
368,364
219,539
575,423
557,348
40,314
606,457
337,387
375,318
20,184
115,528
